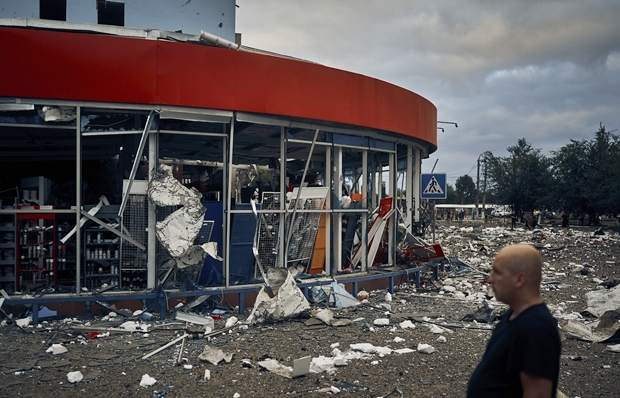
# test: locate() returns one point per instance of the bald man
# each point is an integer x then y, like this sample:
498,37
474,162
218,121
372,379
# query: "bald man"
522,358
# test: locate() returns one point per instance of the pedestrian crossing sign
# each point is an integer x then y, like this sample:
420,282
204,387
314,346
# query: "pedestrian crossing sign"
434,186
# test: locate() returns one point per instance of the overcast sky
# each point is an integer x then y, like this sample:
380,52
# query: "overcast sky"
546,71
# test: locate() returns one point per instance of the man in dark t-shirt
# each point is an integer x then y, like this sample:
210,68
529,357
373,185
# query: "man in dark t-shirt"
522,357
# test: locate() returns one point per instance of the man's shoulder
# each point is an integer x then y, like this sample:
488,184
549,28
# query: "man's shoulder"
537,318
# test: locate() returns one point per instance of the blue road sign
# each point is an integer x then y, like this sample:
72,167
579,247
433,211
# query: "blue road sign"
434,186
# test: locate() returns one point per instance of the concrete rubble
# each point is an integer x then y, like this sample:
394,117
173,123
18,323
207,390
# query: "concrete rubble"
461,284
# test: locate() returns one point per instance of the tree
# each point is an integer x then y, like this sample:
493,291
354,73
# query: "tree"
586,176
569,165
521,179
465,189
451,195
601,175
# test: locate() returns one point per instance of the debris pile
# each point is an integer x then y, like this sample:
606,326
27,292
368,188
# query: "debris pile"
422,338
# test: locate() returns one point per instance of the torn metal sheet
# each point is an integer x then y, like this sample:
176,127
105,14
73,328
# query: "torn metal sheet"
194,255
600,301
179,230
276,277
288,302
342,298
214,355
590,332
276,367
165,190
58,113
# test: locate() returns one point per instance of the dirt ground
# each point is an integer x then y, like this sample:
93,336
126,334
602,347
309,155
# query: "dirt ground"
112,366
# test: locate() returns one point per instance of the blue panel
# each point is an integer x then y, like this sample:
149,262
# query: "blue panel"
386,146
211,274
342,139
434,186
241,240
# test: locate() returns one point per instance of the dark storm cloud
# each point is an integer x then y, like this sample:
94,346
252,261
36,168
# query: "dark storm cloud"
543,70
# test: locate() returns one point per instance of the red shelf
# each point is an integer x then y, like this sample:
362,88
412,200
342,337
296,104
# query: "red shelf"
30,228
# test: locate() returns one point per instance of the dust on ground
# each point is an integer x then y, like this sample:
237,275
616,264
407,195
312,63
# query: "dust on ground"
446,315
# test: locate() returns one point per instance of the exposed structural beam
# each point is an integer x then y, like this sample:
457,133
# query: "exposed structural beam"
78,198
228,155
136,162
338,180
152,215
303,178
115,231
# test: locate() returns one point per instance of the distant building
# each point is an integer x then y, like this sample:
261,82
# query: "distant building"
181,16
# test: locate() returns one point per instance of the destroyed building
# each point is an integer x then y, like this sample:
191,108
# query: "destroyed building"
144,151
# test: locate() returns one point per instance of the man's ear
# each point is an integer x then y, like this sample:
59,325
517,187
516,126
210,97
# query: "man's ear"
521,279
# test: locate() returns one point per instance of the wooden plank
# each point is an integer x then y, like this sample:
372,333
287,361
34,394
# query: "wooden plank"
318,252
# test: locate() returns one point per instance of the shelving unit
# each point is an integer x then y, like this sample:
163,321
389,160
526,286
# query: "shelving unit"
101,258
7,252
35,250
66,252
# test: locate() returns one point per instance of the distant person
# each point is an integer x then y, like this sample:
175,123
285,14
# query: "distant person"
513,219
531,223
522,357
565,221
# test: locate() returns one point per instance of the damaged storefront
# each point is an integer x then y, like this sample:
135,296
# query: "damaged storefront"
172,184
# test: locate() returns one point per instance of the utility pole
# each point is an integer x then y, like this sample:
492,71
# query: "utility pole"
476,201
484,191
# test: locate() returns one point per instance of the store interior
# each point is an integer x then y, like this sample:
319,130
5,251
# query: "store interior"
43,154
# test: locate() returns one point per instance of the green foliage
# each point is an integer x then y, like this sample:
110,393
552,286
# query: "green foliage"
586,175
451,195
582,177
521,179
465,190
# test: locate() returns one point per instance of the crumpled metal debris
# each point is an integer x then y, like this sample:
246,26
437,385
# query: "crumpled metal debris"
600,301
342,298
214,355
288,302
178,231
58,113
276,367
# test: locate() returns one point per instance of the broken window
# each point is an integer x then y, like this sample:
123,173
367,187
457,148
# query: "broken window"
53,9
110,13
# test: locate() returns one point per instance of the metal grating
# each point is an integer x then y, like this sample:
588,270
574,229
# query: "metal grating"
135,223
204,235
305,226
267,230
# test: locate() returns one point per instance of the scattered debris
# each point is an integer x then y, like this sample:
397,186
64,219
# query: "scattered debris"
214,355
164,347
276,367
57,349
75,377
195,319
426,348
288,302
147,381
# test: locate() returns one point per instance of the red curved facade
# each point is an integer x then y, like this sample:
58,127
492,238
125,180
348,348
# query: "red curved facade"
49,64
